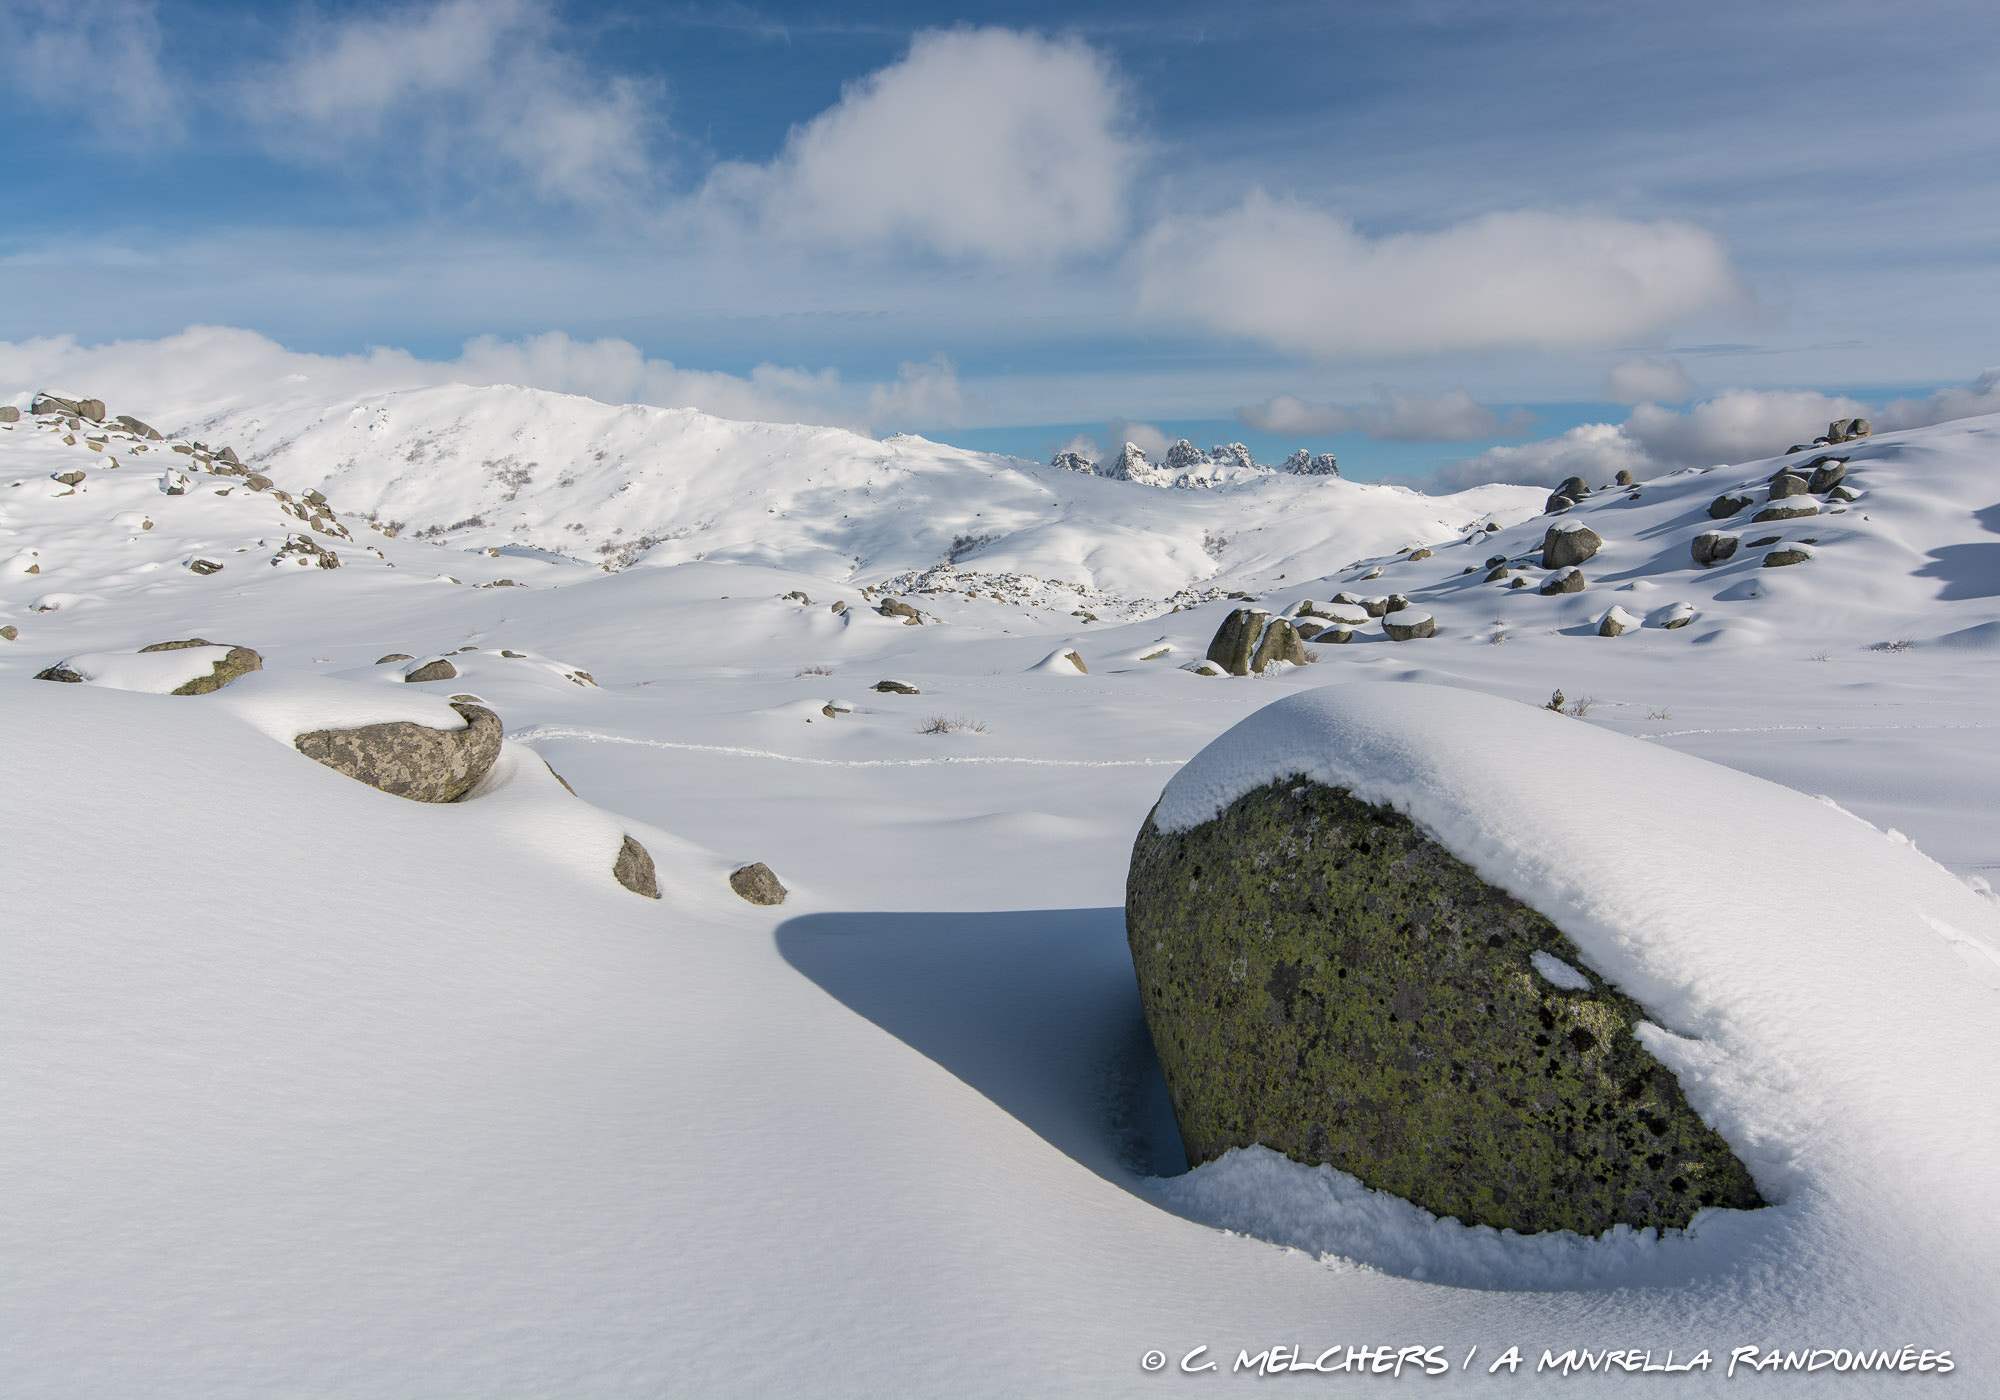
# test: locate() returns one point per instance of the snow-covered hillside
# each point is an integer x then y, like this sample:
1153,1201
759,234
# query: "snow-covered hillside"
497,466
316,1090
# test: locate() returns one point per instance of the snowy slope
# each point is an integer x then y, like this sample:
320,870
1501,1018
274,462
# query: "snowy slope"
313,1090
504,465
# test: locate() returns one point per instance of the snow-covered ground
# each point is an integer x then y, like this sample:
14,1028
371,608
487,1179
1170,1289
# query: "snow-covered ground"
313,1090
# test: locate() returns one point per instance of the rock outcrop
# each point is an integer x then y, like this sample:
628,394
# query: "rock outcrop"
412,760
1726,505
1250,639
438,670
240,661
1712,547
1321,977
756,883
1567,544
1304,463
93,409
634,867
1827,473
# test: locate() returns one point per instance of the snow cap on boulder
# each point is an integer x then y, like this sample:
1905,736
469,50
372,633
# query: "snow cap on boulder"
1845,980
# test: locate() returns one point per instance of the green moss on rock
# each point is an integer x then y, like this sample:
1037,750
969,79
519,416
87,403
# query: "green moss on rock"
1322,978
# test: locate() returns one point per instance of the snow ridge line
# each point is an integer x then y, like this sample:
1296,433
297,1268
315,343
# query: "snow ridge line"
1805,729
557,731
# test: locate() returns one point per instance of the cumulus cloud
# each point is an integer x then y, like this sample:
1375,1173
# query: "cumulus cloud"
1305,280
1739,425
1646,380
617,371
925,395
101,57
1144,436
980,143
1593,451
1960,401
182,379
467,83
1453,416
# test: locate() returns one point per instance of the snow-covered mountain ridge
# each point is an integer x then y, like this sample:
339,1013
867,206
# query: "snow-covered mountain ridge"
486,467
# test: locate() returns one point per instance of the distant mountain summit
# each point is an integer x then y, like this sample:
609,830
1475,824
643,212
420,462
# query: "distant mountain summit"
1188,467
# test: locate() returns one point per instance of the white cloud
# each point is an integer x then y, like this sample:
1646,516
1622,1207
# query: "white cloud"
1144,436
1645,380
464,83
1967,401
1593,451
204,370
1453,416
1288,413
982,143
101,57
1739,425
1084,446
1305,280
616,371
925,395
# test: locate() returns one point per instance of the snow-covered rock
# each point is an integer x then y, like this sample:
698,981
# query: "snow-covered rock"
1393,988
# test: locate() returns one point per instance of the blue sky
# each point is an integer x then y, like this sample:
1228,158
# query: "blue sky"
1406,232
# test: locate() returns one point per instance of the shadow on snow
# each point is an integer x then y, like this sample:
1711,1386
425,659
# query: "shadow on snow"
1036,1009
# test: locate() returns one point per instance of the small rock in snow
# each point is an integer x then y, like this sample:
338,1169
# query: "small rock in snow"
1712,547
1616,623
756,883
634,867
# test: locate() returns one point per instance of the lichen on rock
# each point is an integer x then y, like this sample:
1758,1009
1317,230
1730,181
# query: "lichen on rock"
1321,977
412,760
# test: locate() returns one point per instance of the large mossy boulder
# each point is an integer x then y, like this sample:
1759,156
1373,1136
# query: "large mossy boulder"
412,760
1321,977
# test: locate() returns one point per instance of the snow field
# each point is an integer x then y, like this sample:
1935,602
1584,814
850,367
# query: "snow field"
322,1090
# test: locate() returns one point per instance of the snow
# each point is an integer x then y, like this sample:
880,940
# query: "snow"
1559,972
1064,661
1843,1050
312,1089
284,706
159,672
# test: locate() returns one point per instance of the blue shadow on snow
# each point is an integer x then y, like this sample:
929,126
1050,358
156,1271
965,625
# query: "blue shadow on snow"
1036,1009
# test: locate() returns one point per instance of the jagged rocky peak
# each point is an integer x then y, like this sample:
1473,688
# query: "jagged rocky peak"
1233,454
1183,465
1131,464
1304,463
